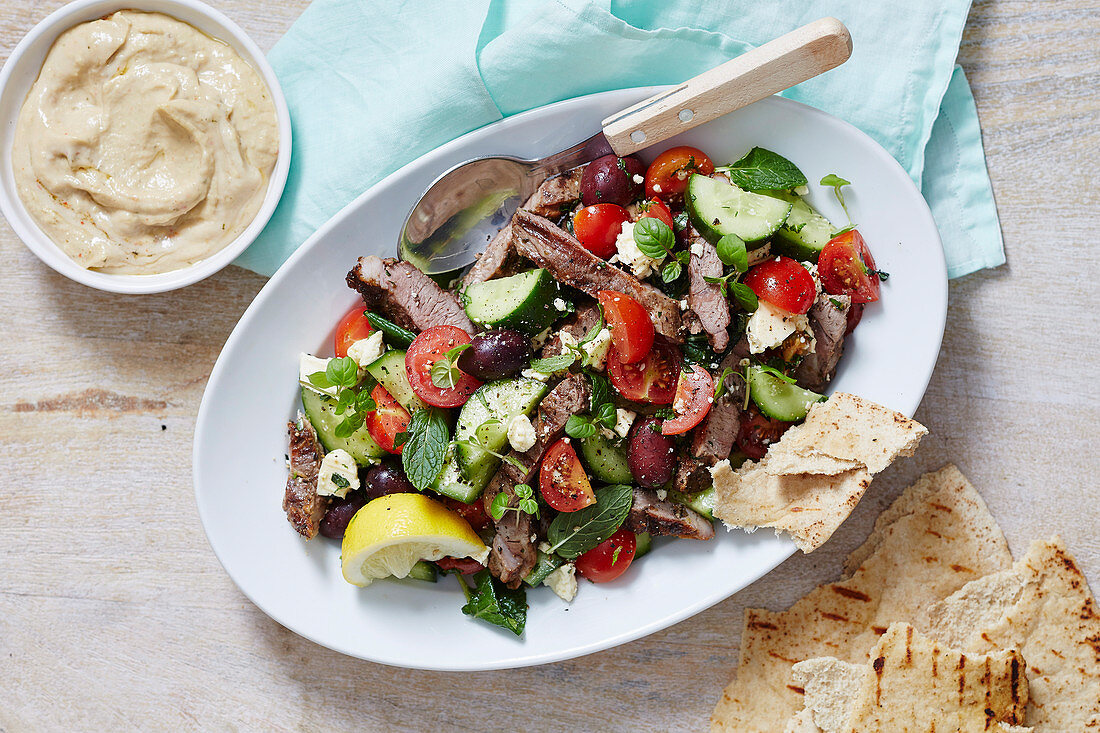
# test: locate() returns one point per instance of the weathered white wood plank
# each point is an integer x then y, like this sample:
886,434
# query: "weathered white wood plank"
114,614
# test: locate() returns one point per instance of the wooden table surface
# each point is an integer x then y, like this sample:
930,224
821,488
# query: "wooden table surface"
115,614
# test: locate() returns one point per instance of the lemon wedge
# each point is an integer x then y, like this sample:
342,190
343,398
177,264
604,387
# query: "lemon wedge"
392,533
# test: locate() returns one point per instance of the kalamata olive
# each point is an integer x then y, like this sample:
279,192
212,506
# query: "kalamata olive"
386,478
496,355
610,180
650,455
335,521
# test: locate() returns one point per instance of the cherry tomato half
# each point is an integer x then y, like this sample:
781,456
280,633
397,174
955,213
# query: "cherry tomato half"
464,565
562,480
784,283
353,327
757,432
846,267
425,350
389,419
631,330
694,396
609,559
474,513
651,380
668,175
656,209
598,226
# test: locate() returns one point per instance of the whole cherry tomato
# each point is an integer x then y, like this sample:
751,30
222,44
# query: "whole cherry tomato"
667,176
598,226
784,283
609,559
656,209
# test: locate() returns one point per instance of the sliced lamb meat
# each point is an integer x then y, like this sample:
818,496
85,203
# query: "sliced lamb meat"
577,325
649,513
549,246
405,295
498,260
829,320
705,299
513,552
556,194
304,508
714,438
691,476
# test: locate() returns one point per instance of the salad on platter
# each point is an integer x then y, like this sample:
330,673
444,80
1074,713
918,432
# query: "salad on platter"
552,410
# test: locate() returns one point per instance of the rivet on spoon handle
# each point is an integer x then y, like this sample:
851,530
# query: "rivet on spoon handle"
791,59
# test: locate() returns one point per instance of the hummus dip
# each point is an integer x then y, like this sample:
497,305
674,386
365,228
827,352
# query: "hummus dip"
145,145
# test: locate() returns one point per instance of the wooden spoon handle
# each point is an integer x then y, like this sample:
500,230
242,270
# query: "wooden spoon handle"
777,65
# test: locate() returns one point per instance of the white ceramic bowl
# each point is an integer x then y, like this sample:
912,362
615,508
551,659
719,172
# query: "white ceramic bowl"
20,73
240,435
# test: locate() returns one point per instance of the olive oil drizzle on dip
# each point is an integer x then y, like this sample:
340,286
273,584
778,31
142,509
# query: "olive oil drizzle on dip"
145,145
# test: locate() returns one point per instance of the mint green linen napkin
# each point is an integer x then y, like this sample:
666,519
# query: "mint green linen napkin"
373,85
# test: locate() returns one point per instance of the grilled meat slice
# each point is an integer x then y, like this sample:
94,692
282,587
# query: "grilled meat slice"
549,246
714,438
649,513
513,552
304,508
829,320
705,299
577,325
691,476
498,260
557,194
405,295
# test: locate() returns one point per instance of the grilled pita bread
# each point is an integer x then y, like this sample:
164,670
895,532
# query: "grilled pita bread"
1041,606
941,537
809,482
913,684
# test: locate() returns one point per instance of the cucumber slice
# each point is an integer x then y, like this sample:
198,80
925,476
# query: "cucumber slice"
389,370
451,483
500,401
544,565
701,502
805,233
606,461
524,302
644,544
423,571
716,208
780,399
321,412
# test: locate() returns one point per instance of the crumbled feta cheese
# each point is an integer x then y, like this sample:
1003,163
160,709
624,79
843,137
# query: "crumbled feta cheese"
769,325
560,305
308,364
540,338
628,253
563,581
696,249
656,188
544,547
597,349
532,374
521,433
365,351
662,494
811,267
337,475
684,304
802,190
638,178
567,341
623,420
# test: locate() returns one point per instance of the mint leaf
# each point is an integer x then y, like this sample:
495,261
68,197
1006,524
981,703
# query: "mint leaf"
763,170
733,252
653,237
601,390
552,364
445,372
838,183
492,601
671,271
573,533
744,296
425,449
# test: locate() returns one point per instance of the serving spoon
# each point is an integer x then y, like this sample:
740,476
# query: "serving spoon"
464,207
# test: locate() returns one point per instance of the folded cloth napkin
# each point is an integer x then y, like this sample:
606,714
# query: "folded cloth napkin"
373,84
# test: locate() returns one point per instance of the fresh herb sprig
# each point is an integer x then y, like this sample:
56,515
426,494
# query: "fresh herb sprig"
343,374
527,503
425,446
574,533
492,601
734,254
720,387
837,183
656,240
571,353
445,372
584,426
479,439
763,170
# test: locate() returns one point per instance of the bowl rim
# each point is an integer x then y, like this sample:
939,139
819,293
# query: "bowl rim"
29,51
522,657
